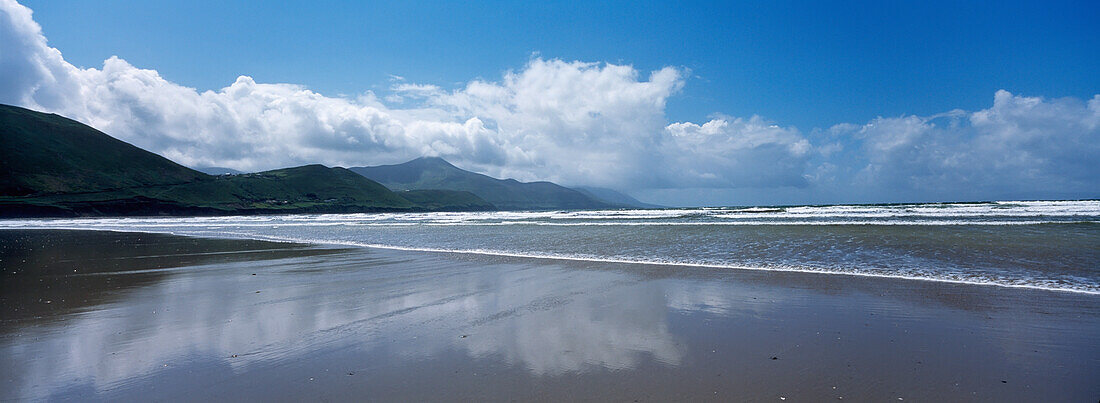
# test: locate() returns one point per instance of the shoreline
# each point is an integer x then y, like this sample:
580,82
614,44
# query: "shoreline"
550,257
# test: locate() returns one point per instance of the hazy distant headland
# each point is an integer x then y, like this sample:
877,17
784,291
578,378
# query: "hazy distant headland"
55,166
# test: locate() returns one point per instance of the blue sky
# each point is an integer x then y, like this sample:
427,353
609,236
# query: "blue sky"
807,64
814,76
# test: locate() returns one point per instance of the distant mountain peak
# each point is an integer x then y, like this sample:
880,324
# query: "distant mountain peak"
431,161
427,173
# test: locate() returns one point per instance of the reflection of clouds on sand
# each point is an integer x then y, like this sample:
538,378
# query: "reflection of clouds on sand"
207,315
721,298
703,297
602,325
547,319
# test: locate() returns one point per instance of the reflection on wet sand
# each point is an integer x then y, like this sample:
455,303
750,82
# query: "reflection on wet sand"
48,273
547,321
194,320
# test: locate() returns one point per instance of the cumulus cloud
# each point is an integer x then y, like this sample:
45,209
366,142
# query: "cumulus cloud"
1019,147
730,152
578,123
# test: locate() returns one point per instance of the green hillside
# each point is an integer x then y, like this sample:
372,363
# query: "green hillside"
45,153
54,166
309,187
507,194
306,189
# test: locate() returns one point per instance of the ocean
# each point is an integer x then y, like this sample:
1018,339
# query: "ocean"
1051,245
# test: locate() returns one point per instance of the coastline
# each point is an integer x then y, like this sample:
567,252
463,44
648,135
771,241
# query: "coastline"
334,243
339,323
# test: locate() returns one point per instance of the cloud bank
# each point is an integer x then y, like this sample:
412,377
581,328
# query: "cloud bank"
577,123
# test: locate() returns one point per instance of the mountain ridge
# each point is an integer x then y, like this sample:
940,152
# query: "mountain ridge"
615,197
426,173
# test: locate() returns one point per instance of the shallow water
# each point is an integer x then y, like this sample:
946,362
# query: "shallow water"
1051,245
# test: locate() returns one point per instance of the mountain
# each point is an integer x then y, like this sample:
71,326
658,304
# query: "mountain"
54,166
306,188
507,194
320,188
218,171
44,153
614,197
446,200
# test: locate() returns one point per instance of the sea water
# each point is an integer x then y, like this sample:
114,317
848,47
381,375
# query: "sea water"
1051,245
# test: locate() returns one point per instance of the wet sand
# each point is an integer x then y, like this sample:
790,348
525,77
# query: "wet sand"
103,315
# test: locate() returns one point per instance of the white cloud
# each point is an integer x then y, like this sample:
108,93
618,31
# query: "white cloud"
733,152
1019,147
573,122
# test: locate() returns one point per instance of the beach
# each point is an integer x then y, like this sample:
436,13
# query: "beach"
104,315
549,202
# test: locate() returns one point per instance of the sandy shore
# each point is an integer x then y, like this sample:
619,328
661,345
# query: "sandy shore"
104,315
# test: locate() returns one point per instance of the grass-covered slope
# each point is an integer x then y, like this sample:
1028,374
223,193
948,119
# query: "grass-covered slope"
506,194
306,189
42,153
